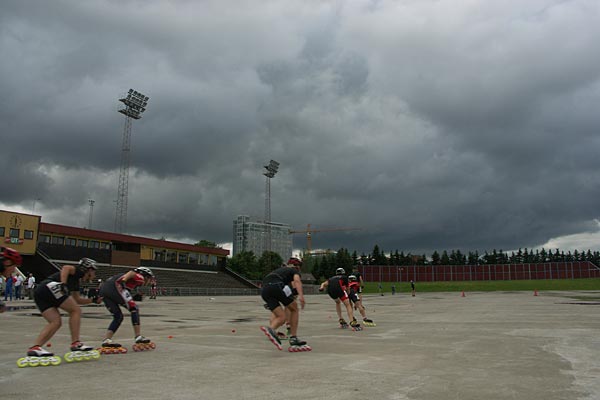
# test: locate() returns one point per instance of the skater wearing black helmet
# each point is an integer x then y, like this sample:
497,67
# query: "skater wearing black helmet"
9,260
337,289
280,287
61,290
116,292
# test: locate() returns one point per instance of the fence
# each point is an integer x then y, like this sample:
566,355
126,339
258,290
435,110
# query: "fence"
492,272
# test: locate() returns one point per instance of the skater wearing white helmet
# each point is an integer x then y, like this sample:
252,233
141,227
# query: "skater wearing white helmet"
116,292
61,290
337,289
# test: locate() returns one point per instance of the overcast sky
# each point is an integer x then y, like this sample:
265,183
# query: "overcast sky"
430,125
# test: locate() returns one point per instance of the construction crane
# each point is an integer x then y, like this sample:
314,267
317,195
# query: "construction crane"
310,231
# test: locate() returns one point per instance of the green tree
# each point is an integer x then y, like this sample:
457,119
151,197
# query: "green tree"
245,264
268,262
206,243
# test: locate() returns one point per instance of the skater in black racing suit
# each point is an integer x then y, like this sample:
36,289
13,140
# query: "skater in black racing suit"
280,288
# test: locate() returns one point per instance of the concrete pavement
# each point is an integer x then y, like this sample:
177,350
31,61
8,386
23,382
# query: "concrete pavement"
502,345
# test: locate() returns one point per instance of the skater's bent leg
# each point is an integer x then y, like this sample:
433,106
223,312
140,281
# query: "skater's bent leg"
294,317
277,318
71,306
117,315
338,308
349,309
54,323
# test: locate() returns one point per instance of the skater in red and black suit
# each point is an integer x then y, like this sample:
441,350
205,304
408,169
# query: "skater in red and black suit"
61,290
9,260
116,292
353,289
280,287
337,289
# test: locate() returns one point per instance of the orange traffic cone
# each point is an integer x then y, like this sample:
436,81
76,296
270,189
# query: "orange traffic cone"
535,293
463,294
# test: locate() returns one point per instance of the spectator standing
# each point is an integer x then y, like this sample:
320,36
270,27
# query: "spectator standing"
30,285
412,287
18,286
8,290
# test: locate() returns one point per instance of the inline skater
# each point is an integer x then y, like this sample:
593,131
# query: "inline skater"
9,260
116,292
279,288
354,287
61,290
337,289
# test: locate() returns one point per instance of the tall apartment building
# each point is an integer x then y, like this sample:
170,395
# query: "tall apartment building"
249,235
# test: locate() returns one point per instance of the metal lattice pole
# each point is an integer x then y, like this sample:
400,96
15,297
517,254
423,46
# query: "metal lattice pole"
123,190
267,244
135,104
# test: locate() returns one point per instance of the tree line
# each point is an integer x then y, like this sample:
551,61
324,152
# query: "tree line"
322,267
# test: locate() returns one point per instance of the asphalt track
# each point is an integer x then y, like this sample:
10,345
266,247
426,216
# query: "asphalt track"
502,345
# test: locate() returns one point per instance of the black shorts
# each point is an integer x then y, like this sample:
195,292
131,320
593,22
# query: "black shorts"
49,295
336,292
275,294
109,291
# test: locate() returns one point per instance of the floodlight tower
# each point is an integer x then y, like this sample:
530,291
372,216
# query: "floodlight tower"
135,104
91,213
270,173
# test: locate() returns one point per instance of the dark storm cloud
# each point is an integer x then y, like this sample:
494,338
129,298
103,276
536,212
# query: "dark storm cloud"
429,125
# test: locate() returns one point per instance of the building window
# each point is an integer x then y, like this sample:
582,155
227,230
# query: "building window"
105,246
58,240
44,239
183,258
1,231
71,242
159,255
82,243
171,256
28,234
94,244
193,258
14,232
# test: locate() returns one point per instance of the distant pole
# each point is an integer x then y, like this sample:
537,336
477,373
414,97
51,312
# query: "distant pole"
270,173
135,104
33,206
91,213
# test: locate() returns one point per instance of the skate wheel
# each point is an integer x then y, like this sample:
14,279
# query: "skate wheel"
44,362
55,361
69,357
22,362
95,354
122,350
135,348
34,362
152,345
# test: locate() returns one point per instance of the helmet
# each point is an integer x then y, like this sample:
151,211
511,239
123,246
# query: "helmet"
294,261
87,263
12,255
147,272
352,278
340,271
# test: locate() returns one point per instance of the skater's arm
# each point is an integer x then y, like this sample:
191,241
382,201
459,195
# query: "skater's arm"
323,286
65,272
297,283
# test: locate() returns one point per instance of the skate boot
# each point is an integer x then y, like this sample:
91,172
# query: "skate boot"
109,346
79,346
272,336
368,322
297,345
36,355
355,325
38,351
143,343
81,352
343,323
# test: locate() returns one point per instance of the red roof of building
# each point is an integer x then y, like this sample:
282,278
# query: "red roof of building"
119,237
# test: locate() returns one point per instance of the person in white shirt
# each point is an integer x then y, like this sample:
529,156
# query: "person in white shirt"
18,286
30,285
